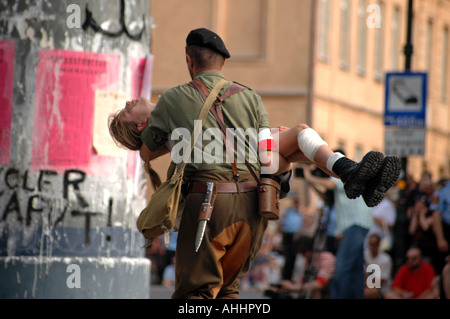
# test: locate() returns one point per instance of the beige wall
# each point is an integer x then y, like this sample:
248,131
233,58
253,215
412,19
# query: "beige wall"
437,158
349,107
270,42
353,102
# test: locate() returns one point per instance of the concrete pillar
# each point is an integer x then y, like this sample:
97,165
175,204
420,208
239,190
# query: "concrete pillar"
69,198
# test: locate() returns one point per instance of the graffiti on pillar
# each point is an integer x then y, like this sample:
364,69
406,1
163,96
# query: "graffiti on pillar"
75,92
91,23
41,198
62,191
6,86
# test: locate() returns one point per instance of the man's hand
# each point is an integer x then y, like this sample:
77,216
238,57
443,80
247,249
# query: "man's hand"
147,155
289,285
283,128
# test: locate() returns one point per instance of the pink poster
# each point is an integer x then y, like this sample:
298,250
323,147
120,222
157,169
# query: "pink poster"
66,82
6,98
137,66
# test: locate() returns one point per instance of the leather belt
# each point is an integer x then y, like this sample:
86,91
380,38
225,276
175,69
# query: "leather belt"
199,187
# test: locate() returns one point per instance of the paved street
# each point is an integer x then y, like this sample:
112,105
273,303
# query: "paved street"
160,292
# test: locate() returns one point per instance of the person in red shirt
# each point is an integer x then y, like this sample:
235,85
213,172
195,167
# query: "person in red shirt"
414,279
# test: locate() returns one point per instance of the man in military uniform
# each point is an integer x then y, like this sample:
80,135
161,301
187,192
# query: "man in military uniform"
234,233
235,230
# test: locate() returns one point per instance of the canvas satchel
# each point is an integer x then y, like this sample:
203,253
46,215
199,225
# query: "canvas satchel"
161,212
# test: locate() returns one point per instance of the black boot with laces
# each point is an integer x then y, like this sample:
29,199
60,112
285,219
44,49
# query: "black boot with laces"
355,176
377,187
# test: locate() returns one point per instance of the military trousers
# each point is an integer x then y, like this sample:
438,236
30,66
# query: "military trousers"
232,240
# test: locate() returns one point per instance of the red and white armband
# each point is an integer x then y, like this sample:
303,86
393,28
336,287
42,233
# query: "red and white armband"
266,141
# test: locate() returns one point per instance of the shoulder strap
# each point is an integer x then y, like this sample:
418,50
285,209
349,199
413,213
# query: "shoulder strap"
203,90
218,115
232,89
211,97
217,112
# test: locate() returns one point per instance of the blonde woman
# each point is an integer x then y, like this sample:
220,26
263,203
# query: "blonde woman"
371,177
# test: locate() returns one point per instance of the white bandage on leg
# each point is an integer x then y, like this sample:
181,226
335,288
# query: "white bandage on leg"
333,159
309,142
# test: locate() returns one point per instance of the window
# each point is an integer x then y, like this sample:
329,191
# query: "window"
324,30
344,45
395,39
429,44
379,47
362,38
358,153
444,68
246,28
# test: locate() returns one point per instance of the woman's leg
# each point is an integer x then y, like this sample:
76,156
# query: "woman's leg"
371,177
300,157
319,152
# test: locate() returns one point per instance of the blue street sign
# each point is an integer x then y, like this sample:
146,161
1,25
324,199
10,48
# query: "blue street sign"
406,99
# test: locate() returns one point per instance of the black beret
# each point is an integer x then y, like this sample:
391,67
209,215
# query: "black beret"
207,39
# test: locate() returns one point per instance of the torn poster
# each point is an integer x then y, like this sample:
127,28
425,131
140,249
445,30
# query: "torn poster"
106,103
6,98
66,82
146,87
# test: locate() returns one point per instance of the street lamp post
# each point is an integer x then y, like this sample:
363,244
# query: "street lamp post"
401,227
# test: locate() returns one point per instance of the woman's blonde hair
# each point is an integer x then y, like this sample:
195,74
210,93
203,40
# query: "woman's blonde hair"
125,134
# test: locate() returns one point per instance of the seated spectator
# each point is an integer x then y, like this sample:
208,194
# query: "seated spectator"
441,284
384,216
442,226
413,280
272,270
320,268
373,255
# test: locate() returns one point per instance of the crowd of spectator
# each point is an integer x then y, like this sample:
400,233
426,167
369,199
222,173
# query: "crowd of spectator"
300,251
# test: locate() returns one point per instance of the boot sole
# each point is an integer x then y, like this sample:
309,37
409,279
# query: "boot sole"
367,169
376,188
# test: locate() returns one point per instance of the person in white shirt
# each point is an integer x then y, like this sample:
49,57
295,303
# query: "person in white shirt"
384,216
374,256
353,220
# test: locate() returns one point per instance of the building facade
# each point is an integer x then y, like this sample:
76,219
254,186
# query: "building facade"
356,44
319,62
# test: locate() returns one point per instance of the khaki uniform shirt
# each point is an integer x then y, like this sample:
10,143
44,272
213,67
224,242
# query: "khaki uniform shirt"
179,107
